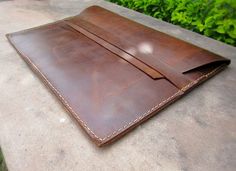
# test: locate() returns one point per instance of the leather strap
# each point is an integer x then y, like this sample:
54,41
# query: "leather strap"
129,58
160,71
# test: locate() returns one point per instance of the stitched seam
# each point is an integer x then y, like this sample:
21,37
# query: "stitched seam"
143,115
64,101
162,103
59,95
125,126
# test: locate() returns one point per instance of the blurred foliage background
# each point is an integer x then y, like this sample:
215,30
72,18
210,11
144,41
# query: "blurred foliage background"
3,166
212,18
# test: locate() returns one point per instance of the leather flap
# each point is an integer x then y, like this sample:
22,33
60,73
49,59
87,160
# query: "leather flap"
199,59
168,56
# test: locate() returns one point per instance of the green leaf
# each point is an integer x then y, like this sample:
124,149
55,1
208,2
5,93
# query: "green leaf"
230,41
213,18
220,29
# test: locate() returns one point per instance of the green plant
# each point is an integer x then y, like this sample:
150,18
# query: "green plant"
3,166
213,18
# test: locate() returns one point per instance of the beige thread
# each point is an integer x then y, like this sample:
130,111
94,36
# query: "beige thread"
125,126
143,115
161,104
59,95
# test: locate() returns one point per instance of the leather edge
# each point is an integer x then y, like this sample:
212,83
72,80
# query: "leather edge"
126,128
33,67
131,125
175,97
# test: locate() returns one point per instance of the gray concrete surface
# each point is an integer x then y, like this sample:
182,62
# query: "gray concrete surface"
196,133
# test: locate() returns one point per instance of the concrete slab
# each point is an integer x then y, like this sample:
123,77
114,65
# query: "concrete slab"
196,133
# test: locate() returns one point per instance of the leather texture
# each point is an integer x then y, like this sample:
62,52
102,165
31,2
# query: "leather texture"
112,73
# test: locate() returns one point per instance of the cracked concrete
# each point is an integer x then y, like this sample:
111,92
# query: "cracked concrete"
196,133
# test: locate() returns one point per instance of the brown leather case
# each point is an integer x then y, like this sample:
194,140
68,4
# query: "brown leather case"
112,73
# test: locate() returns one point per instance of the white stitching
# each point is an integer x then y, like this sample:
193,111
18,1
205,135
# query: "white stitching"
162,103
143,115
125,126
58,94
